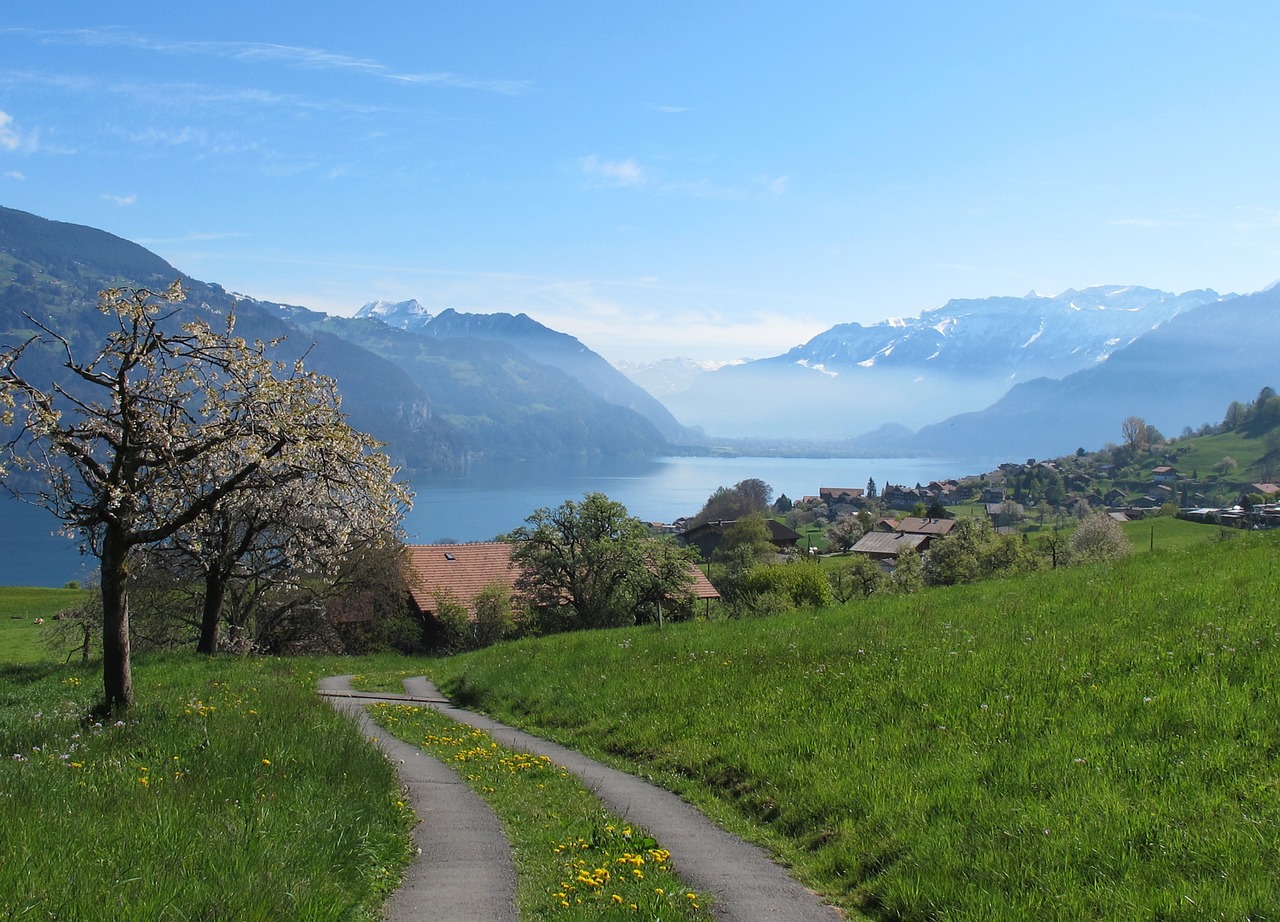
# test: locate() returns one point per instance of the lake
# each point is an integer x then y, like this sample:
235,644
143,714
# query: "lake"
490,499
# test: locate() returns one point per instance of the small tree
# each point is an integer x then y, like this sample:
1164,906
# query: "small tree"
745,543
844,532
584,565
908,572
1099,537
859,576
957,557
1134,429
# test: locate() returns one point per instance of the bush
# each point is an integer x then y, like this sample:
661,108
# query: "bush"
802,582
1099,537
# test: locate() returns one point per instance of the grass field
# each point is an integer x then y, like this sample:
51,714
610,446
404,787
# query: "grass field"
1092,743
230,791
19,609
1166,533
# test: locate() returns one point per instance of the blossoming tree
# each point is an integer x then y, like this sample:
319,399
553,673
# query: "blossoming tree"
164,424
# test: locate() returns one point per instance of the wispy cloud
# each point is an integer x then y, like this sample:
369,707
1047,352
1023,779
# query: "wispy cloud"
14,174
671,110
630,174
1258,219
1149,223
614,172
11,139
775,185
289,55
121,200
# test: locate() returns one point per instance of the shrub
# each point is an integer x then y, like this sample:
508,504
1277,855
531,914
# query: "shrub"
1099,537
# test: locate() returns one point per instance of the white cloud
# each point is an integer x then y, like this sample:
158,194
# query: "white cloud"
775,185
121,200
625,173
11,139
14,174
1149,223
292,55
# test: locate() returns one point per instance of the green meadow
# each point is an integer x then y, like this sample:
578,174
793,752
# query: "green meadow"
230,791
1088,743
20,608
1092,743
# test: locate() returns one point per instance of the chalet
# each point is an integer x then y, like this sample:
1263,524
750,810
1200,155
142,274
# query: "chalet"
879,545
993,496
933,528
1269,490
1115,497
462,571
1165,474
458,571
707,536
899,497
834,496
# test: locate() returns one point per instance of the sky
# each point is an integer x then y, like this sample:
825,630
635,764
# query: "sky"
703,179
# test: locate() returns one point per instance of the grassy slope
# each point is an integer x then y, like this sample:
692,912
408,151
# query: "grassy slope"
19,609
230,791
1091,743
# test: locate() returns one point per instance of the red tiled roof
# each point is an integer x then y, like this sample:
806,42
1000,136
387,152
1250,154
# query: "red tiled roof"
463,570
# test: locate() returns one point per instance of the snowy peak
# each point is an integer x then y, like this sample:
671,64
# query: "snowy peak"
1028,337
408,315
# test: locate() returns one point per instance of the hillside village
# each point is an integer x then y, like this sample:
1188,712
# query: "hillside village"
1014,499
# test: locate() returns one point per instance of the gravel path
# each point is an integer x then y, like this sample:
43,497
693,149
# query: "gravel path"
747,885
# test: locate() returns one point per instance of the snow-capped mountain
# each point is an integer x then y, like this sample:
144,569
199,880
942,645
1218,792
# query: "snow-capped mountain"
539,343
912,372
669,376
408,315
1021,338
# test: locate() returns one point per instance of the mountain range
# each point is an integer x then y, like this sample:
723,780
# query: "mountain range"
468,390
1016,377
957,358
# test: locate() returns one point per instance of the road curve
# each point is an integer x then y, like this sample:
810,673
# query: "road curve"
464,871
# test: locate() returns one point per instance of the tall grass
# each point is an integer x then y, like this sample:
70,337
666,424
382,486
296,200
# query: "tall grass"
1093,743
230,791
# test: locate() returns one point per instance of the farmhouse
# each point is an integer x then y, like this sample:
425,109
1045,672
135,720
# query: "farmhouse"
934,528
842,495
880,545
707,536
462,571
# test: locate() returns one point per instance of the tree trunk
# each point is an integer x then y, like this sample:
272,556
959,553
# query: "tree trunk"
214,590
117,675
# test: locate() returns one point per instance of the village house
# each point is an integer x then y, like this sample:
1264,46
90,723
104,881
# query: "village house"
886,546
834,496
1165,474
933,528
460,572
707,536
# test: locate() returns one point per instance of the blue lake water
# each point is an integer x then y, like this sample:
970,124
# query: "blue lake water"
490,499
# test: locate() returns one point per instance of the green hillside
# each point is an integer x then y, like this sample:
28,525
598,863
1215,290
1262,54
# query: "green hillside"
1091,743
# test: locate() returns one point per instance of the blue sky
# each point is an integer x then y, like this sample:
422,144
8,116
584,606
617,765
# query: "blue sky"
712,180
